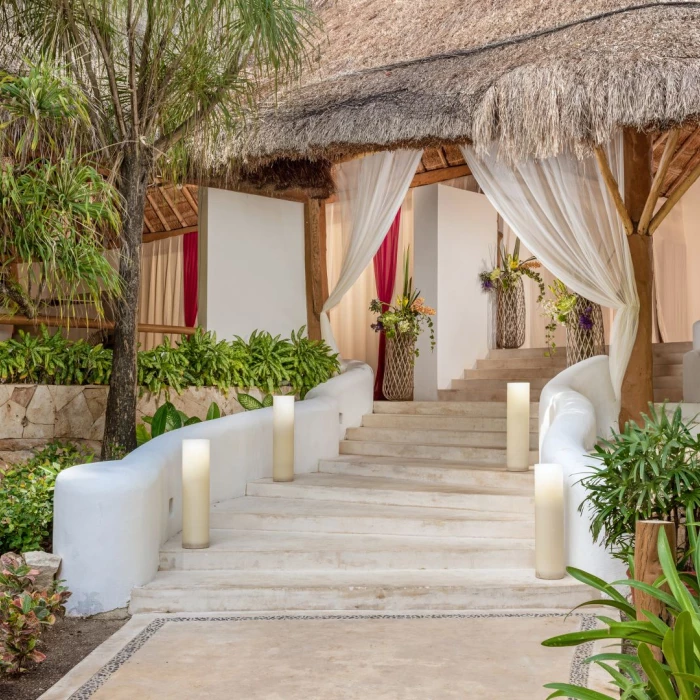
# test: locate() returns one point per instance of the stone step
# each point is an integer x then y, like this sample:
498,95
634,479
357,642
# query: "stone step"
473,395
558,362
659,350
672,382
491,384
667,370
412,421
511,374
236,550
301,515
413,436
481,409
433,451
429,471
668,358
668,394
395,492
228,591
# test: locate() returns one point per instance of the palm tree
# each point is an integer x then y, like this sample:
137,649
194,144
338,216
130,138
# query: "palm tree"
163,81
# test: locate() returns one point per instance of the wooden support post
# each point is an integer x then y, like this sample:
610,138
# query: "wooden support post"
637,387
315,264
647,567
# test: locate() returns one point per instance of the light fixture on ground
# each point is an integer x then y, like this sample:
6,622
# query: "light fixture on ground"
195,493
550,553
283,438
518,426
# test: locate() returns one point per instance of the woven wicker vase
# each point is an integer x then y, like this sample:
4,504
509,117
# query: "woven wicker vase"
582,343
510,316
398,371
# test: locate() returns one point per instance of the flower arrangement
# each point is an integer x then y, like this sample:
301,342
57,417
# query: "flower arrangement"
509,269
559,309
408,316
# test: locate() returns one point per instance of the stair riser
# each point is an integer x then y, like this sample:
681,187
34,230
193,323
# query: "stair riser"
521,481
434,437
661,370
486,395
494,529
512,374
661,395
480,503
518,557
557,363
349,598
478,409
490,384
416,422
474,455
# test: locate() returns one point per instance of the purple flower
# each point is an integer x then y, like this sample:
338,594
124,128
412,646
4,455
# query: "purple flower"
585,320
486,284
378,327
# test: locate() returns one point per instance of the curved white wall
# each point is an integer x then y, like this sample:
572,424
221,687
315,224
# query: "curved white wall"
575,407
110,518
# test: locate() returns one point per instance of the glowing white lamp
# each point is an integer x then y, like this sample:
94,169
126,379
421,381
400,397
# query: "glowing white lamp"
195,494
550,554
283,438
518,426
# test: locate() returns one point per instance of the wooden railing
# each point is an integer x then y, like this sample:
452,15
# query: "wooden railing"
58,322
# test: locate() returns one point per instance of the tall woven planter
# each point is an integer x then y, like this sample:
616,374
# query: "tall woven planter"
398,371
582,343
510,315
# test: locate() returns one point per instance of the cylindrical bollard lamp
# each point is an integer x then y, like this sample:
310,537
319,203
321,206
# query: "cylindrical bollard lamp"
518,426
195,494
550,550
283,438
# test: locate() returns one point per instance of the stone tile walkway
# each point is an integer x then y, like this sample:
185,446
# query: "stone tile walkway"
331,657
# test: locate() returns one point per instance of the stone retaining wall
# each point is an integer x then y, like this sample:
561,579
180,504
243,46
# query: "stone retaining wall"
31,415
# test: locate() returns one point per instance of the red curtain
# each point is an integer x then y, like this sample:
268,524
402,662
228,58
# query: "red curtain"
190,264
385,276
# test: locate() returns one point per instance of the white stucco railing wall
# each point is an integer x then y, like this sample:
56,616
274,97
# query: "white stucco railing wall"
576,406
111,518
691,369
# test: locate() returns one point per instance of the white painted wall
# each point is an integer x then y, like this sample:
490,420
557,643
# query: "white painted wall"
455,235
252,273
111,518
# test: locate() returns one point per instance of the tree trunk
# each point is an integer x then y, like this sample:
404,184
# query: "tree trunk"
637,387
120,421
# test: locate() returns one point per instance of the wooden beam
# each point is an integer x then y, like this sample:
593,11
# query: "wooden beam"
171,204
190,199
58,322
614,189
315,264
149,226
157,210
163,235
657,184
676,195
432,176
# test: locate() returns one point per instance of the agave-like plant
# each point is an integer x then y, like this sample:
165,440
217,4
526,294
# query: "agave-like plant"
678,677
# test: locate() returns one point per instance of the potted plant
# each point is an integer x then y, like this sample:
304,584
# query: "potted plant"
506,279
402,323
583,319
650,472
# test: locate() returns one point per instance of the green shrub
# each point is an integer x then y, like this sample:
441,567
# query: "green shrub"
24,612
168,418
26,496
650,472
264,362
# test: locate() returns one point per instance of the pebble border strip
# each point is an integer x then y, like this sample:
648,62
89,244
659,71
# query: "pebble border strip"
578,673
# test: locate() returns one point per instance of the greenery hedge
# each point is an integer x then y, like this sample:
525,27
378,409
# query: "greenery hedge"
263,362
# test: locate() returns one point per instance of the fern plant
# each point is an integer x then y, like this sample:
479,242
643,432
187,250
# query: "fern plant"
167,418
312,363
270,361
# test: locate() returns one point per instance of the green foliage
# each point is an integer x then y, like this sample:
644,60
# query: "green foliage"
212,363
24,612
509,268
26,496
162,368
312,363
250,403
678,637
648,472
167,418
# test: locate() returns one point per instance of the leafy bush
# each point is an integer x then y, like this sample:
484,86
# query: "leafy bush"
24,611
649,472
678,638
250,403
264,362
26,496
168,418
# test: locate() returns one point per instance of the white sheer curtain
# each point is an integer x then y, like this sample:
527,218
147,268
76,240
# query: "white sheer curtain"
351,318
562,211
370,192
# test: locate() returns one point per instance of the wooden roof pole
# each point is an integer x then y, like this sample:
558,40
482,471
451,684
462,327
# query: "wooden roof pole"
657,184
315,264
674,198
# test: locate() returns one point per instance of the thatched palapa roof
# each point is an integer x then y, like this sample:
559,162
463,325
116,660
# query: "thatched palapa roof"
535,75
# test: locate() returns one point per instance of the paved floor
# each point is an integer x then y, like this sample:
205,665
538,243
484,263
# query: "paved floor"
333,657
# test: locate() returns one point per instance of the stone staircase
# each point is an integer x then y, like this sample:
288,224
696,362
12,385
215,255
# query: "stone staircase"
487,381
417,513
